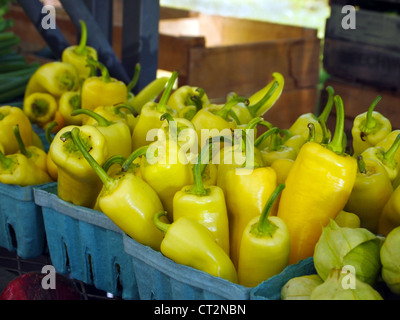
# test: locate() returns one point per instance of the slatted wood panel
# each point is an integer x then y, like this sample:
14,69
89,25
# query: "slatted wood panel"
368,54
223,54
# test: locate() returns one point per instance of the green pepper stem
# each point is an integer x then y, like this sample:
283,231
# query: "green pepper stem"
370,121
81,48
362,168
113,160
162,104
265,135
265,226
108,182
196,99
101,121
5,162
198,188
135,77
224,111
173,127
311,132
323,117
135,154
325,132
255,107
336,144
21,144
254,122
48,130
162,226
234,116
127,107
166,116
105,75
389,155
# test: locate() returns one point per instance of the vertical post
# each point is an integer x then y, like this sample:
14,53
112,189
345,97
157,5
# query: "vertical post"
53,37
102,11
140,39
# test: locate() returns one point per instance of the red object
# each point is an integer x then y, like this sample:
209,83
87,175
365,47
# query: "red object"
29,287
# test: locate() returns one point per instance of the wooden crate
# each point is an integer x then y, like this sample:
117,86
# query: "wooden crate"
222,54
368,54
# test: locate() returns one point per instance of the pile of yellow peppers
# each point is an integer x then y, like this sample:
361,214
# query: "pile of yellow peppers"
213,186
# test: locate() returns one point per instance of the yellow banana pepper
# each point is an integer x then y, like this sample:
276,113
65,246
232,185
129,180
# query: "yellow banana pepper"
317,189
150,114
54,78
127,200
10,116
265,246
77,182
40,108
70,101
103,90
77,54
204,204
117,134
390,215
190,243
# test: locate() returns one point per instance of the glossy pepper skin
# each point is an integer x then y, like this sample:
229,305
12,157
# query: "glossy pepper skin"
317,189
122,112
40,108
77,182
70,101
215,119
189,243
77,54
322,134
265,246
234,156
10,116
51,166
127,200
36,155
187,100
385,157
162,168
390,216
117,134
371,191
204,204
369,128
150,114
102,90
17,169
273,91
247,191
281,150
54,78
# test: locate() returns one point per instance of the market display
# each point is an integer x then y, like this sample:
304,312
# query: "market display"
217,187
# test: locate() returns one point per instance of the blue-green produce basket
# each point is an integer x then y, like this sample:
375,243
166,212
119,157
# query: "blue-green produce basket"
86,244
160,278
21,222
21,219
